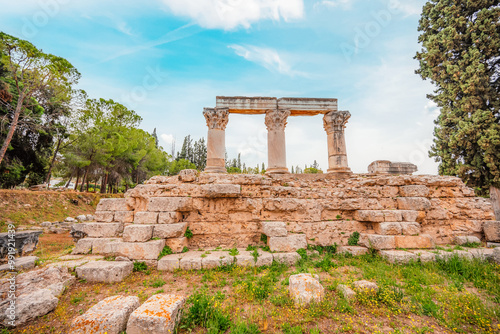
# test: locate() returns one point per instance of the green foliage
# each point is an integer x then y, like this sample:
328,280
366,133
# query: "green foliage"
303,253
472,244
460,55
263,238
185,249
140,266
288,329
165,251
157,283
177,165
188,234
353,239
244,328
234,252
203,311
325,263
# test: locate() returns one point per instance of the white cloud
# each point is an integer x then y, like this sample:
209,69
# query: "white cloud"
345,4
167,138
231,14
266,57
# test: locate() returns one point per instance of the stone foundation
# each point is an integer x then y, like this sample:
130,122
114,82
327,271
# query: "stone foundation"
228,210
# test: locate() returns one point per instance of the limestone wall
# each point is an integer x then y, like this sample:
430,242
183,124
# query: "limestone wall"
227,210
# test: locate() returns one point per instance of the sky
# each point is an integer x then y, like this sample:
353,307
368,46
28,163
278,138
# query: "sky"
168,59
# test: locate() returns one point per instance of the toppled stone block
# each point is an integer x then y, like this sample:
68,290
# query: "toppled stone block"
414,191
466,239
105,271
124,216
169,217
99,230
81,218
21,263
221,190
413,203
104,216
353,250
346,292
143,217
70,220
169,230
388,167
492,244
188,175
108,316
177,244
492,231
290,243
170,204
216,259
304,289
112,204
388,228
366,286
274,229
398,256
138,250
159,314
137,233
246,258
290,259
169,262
414,241
377,242
30,306
83,246
410,228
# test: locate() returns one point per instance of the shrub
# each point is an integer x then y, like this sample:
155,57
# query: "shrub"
165,251
353,239
140,266
188,234
204,312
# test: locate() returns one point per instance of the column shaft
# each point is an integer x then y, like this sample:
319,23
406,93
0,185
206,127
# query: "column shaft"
276,143
217,119
334,123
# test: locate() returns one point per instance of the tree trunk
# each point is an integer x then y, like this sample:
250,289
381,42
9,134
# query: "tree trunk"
84,178
104,182
13,127
77,178
69,181
495,201
47,180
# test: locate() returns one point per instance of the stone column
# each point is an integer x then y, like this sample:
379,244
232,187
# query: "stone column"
276,145
334,123
217,119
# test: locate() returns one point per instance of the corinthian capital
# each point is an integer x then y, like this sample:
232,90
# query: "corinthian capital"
276,119
217,118
335,120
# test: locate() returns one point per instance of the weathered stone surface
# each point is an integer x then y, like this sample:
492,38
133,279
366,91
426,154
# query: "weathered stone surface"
169,230
346,292
191,261
246,259
492,231
304,289
21,263
274,229
70,220
398,256
158,315
138,250
188,175
104,216
177,244
377,242
112,204
413,203
290,259
221,190
99,230
108,316
290,243
124,216
388,167
414,191
83,246
388,228
353,250
365,286
414,241
492,244
170,204
169,262
424,256
81,218
496,255
105,271
465,239
100,245
137,233
410,228
143,217
29,307
169,217
216,259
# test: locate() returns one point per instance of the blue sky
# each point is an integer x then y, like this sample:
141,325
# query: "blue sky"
167,59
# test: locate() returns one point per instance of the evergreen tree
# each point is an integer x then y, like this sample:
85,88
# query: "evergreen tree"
155,136
263,168
200,154
460,55
293,171
238,164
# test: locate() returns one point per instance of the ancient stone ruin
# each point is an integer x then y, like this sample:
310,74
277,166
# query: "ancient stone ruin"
287,211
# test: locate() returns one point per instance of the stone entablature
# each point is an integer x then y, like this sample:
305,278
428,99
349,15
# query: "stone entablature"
229,210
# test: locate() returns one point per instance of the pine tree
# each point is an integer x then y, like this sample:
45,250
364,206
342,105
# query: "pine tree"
460,55
155,136
293,171
238,164
263,168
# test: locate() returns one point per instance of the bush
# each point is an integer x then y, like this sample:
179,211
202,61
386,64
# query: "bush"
204,312
140,266
165,251
353,239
